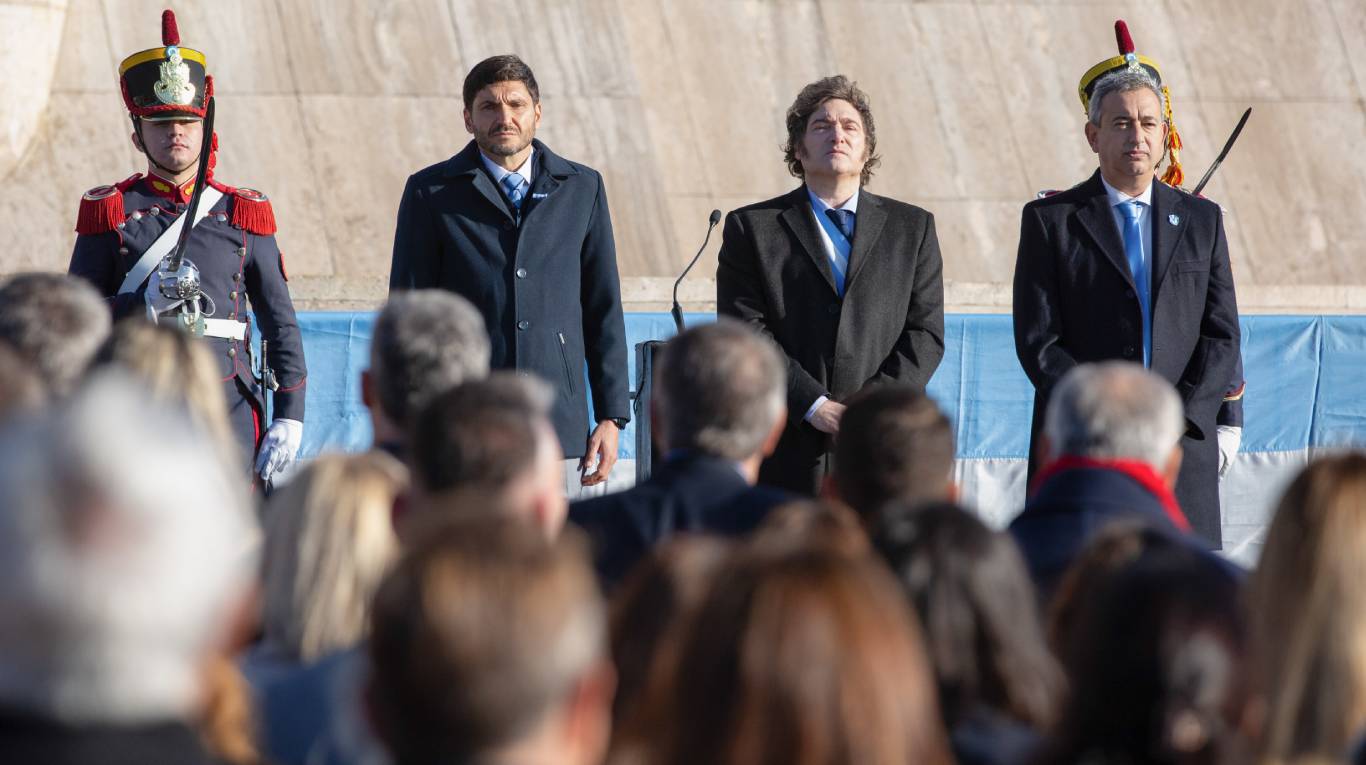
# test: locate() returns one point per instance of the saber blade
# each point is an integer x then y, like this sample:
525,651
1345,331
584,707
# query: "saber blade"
1222,154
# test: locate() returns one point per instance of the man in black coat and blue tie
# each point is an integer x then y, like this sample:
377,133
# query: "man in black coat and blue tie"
526,237
1125,266
849,284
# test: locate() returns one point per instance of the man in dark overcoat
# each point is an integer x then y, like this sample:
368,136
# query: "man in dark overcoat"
525,236
849,284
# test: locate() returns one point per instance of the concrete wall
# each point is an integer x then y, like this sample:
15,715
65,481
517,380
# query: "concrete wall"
328,105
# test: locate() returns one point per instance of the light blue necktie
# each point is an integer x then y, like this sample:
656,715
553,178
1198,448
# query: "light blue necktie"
1138,266
844,221
512,184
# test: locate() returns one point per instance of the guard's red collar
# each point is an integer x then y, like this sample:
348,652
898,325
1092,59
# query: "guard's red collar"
168,190
1141,472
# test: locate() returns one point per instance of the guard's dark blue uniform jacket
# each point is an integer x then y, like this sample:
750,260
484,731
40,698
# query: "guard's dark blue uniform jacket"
240,269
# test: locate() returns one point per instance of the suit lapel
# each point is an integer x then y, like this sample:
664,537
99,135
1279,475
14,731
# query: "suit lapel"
1169,222
468,163
484,185
867,227
1099,221
798,219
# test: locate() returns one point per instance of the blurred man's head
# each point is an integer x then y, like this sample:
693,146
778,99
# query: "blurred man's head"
489,645
721,391
425,343
487,447
1116,410
55,323
125,549
894,446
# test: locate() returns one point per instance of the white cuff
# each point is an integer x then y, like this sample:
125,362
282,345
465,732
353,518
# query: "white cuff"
812,411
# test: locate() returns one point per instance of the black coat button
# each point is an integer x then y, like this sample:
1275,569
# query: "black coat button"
524,325
509,225
1128,350
833,309
521,273
1128,293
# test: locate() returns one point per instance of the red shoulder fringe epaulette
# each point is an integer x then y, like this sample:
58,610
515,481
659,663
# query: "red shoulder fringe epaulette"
102,207
251,209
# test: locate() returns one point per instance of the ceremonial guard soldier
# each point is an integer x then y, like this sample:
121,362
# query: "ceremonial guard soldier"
130,244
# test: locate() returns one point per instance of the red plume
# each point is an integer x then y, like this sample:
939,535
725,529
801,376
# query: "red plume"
1122,38
170,33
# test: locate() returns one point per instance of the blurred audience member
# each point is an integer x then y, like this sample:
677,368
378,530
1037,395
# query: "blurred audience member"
173,367
720,406
20,389
802,656
425,342
489,645
487,448
1157,669
1112,433
329,540
652,609
812,523
894,446
1113,547
55,323
127,549
1308,615
999,687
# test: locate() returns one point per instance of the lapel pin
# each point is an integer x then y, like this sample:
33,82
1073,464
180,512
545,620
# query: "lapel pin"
538,195
1174,219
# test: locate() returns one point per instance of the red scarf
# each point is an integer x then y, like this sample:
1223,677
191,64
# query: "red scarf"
1141,472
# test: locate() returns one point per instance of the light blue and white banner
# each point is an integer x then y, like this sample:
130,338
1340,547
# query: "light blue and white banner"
1305,380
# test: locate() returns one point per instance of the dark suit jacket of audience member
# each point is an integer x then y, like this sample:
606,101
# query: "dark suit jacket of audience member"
545,280
297,704
25,739
773,272
695,493
1074,302
987,737
1061,517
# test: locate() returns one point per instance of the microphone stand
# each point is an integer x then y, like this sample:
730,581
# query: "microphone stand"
677,310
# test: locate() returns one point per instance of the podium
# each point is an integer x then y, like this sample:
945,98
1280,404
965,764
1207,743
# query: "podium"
646,454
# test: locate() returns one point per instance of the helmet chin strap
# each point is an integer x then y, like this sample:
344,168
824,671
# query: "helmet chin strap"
137,128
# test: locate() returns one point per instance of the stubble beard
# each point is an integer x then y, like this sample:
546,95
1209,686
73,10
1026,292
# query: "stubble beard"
503,148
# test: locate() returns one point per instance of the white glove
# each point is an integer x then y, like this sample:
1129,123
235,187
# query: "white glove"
279,447
1230,438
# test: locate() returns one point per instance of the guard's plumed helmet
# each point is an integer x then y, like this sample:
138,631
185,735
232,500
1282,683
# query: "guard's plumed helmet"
169,82
1127,59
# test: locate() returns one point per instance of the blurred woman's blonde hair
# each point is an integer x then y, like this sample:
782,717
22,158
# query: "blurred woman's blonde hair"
329,538
174,366
1307,604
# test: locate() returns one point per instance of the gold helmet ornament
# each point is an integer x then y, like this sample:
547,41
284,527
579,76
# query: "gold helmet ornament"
1127,59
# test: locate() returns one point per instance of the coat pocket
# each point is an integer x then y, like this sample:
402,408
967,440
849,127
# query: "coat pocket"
564,357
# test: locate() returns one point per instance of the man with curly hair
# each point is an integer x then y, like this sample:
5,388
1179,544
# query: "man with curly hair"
849,284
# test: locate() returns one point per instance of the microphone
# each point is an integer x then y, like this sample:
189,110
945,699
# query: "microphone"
677,310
